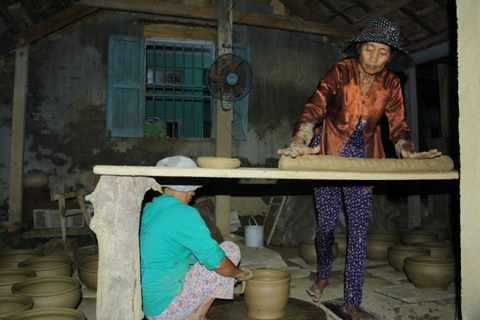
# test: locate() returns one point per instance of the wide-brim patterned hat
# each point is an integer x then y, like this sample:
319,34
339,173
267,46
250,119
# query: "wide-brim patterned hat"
178,162
384,31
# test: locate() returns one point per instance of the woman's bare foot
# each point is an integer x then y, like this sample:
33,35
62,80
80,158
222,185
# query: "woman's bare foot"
357,314
316,289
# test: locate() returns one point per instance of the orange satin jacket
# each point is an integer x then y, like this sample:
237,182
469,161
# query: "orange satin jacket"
338,103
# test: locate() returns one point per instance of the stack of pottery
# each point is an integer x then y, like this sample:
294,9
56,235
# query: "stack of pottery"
430,273
47,292
88,271
307,251
409,237
437,249
11,304
10,276
377,249
397,254
341,239
48,266
442,232
49,313
266,294
11,258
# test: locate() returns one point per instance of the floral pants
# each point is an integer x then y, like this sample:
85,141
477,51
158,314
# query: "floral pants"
201,283
358,202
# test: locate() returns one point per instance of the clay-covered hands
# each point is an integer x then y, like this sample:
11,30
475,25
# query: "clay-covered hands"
245,275
296,150
421,155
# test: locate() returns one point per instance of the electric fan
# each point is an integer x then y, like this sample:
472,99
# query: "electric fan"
229,77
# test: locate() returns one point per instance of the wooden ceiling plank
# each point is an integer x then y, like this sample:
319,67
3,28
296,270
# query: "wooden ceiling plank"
336,11
379,13
8,17
208,13
417,20
52,24
361,4
31,11
301,10
428,42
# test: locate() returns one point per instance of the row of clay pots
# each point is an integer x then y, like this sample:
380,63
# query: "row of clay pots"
45,280
307,251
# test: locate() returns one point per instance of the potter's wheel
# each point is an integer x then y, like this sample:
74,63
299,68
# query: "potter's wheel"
236,310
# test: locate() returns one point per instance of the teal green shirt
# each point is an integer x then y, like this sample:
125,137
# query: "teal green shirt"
173,236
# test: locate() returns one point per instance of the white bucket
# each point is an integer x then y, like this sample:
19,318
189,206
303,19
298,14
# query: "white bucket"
253,234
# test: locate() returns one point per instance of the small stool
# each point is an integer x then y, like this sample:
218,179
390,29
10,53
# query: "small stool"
61,197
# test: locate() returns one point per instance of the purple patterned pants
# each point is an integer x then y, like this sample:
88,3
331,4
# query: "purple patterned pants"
358,201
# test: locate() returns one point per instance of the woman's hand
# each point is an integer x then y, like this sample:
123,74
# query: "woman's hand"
245,275
296,150
421,155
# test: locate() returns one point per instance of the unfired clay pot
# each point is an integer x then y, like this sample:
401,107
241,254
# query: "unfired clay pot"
307,251
49,314
218,162
10,276
410,237
11,304
54,292
442,232
11,258
88,271
341,239
430,273
266,294
377,249
384,235
35,180
49,266
437,249
396,255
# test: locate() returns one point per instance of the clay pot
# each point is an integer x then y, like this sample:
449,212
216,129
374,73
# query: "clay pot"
11,304
442,232
430,273
396,255
307,251
341,239
384,235
410,237
437,249
266,294
377,249
8,277
35,180
218,162
49,266
88,271
49,314
11,258
54,292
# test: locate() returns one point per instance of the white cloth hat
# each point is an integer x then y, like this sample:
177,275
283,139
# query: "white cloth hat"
178,162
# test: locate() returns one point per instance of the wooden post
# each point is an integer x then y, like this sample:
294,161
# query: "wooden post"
117,202
224,118
414,205
18,132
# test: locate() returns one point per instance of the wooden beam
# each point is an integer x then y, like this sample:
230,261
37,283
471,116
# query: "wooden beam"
18,132
301,10
428,42
379,13
52,24
8,18
211,14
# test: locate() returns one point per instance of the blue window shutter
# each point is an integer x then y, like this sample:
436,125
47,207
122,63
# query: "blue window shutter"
125,96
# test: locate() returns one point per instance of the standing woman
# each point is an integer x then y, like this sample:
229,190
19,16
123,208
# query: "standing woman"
183,270
342,118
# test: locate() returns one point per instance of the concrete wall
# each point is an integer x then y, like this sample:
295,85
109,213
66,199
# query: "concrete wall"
66,105
468,12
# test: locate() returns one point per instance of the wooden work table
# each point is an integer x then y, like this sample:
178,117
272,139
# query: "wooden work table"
117,202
